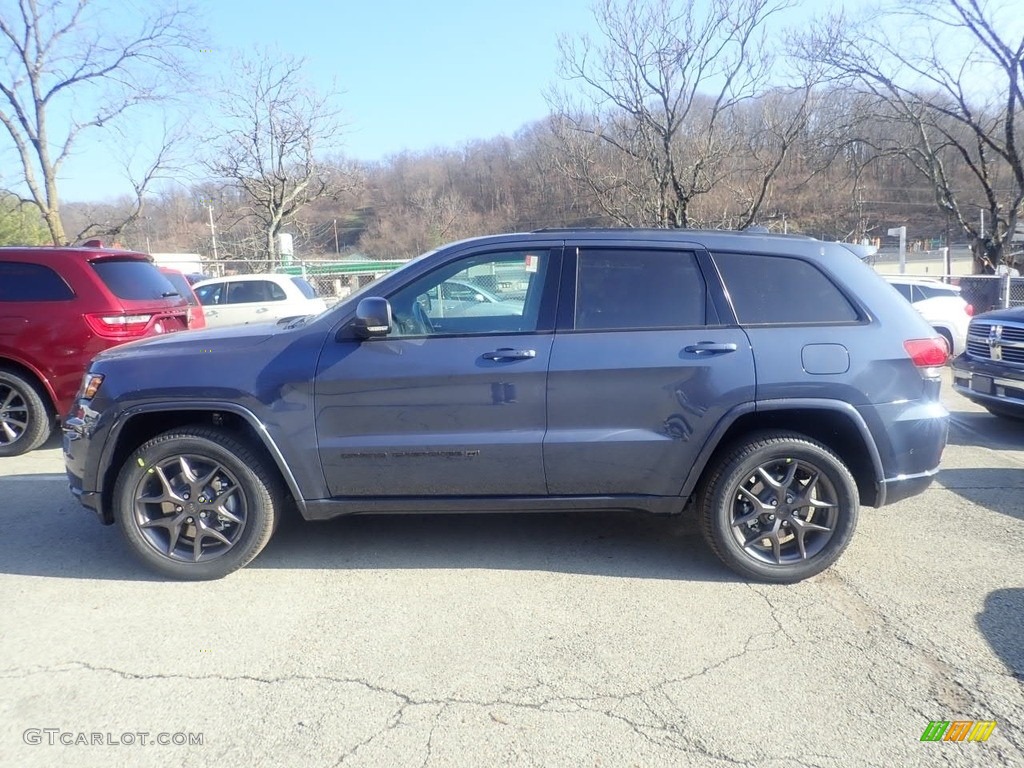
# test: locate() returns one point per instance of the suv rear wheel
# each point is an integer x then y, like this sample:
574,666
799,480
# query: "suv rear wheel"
779,507
25,418
197,503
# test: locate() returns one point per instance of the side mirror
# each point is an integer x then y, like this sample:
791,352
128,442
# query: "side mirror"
480,297
373,318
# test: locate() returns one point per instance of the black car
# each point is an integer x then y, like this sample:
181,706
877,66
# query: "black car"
991,371
771,384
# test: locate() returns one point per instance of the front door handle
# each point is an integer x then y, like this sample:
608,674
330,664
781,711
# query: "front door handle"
507,353
710,347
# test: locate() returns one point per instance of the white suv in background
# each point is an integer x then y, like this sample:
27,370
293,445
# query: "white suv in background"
247,299
940,304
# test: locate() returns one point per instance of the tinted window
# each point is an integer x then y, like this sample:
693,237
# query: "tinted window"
774,290
254,291
134,280
210,294
305,287
638,289
31,282
181,285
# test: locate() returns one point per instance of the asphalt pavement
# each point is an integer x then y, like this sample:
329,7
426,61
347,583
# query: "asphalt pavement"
521,640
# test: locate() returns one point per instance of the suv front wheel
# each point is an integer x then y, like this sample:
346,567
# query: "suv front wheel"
197,503
779,507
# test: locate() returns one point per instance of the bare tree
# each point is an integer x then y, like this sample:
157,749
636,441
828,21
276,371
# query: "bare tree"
661,89
277,134
946,77
66,72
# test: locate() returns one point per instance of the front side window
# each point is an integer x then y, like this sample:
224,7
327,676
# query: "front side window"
20,281
486,293
210,294
620,288
778,290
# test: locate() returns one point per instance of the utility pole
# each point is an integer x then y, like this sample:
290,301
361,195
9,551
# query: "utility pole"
213,232
336,248
901,233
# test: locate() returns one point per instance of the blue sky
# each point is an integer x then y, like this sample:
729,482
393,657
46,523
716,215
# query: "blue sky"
413,75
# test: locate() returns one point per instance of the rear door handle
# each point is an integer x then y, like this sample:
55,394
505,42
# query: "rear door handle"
710,347
507,353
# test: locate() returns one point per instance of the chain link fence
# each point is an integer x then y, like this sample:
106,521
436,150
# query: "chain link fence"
987,292
332,280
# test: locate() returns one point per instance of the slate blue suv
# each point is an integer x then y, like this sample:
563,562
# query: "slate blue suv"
770,384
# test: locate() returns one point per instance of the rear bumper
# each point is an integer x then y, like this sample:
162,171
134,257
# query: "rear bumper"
898,488
910,437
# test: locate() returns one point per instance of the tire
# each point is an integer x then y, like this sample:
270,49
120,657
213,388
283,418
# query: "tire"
165,494
739,500
26,420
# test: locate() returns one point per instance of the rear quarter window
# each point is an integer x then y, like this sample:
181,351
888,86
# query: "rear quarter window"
21,281
780,290
134,280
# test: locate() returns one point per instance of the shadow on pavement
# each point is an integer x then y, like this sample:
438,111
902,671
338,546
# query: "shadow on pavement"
981,428
1002,623
47,533
1001,490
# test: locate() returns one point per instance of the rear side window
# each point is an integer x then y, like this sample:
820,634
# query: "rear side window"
134,280
254,291
776,290
305,287
625,289
20,281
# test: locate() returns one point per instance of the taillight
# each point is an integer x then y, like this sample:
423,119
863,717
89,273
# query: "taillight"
118,326
969,309
927,353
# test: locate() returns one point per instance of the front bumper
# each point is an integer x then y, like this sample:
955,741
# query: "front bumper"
989,384
77,433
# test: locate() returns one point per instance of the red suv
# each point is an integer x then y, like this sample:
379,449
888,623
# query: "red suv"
196,316
58,308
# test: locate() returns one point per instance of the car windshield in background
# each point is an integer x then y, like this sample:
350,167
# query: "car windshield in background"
936,291
307,289
181,285
134,279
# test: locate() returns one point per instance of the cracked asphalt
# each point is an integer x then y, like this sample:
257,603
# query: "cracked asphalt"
521,640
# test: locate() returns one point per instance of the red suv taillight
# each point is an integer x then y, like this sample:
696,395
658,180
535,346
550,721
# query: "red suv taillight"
927,353
112,326
969,309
